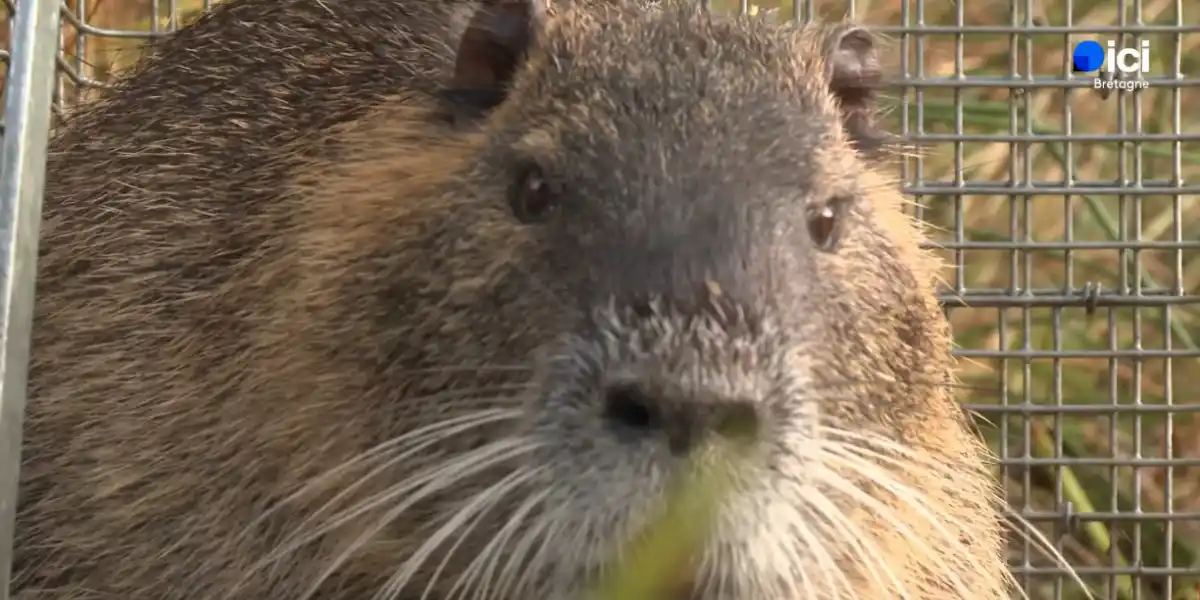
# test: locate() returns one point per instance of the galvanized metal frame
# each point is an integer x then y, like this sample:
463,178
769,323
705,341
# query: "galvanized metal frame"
30,87
27,115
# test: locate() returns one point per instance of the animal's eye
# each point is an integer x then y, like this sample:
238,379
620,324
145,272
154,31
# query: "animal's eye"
825,223
532,197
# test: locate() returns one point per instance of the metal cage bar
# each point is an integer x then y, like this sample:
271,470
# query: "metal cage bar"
29,92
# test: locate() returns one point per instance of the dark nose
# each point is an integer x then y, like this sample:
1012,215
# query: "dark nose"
683,422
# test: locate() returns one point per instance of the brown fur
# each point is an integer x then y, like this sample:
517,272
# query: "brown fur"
268,252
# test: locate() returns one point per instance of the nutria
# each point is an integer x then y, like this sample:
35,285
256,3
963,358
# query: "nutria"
402,299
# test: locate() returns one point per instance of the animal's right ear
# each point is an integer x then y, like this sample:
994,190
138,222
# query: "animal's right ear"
855,74
492,48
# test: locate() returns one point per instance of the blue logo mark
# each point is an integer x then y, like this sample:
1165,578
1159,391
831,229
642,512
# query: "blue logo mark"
1087,57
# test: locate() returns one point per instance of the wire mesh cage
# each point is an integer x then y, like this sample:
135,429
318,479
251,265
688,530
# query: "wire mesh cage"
1061,200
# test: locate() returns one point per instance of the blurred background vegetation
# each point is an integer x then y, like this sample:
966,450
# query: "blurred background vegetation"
1006,352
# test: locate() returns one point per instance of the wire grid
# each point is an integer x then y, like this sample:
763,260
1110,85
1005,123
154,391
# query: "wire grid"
1073,235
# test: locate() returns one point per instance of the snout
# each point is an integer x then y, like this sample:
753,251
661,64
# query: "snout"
678,418
660,378
643,394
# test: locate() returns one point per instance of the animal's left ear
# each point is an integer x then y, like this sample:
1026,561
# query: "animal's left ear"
854,74
490,52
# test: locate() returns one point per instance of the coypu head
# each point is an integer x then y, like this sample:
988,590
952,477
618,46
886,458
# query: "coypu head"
683,225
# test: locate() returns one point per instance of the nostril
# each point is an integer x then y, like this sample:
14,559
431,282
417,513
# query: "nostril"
738,422
629,406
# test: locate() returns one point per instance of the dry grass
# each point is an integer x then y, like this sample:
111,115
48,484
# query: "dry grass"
1026,373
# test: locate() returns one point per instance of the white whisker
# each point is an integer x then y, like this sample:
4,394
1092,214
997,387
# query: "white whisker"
549,525
880,477
867,552
423,437
912,459
824,560
478,507
492,551
430,481
429,436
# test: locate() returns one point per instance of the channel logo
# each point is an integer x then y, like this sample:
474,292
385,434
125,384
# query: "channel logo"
1108,60
1090,56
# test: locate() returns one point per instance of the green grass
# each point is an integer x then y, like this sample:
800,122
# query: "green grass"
1079,381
